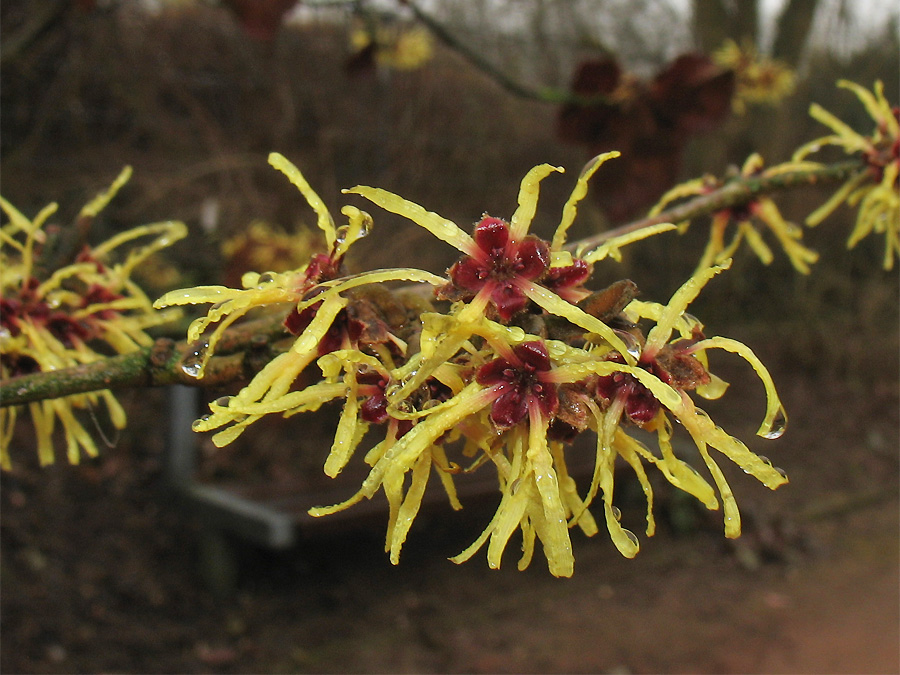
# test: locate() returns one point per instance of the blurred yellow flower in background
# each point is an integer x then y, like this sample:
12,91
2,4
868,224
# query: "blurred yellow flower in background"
758,79
393,46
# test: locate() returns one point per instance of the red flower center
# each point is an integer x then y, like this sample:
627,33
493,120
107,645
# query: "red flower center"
498,266
673,364
520,382
29,305
641,405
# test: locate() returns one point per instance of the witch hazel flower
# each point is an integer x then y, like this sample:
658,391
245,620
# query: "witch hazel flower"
318,312
503,267
747,222
521,380
505,270
73,315
523,360
875,189
512,400
654,392
498,267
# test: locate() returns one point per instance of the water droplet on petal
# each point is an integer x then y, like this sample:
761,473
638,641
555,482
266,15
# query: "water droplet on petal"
779,424
192,363
192,368
617,513
632,346
197,424
516,334
632,536
556,350
406,379
405,407
222,401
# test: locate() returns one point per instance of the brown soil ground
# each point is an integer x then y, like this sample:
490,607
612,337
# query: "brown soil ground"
100,574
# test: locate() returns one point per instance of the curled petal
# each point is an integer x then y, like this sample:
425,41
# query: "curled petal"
468,274
611,247
775,421
440,227
528,196
552,527
533,258
578,193
508,300
510,408
325,221
491,234
661,332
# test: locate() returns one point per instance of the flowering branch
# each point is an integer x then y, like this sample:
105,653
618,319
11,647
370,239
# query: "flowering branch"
242,348
735,192
510,359
241,353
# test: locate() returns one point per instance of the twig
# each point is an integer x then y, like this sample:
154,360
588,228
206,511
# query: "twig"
546,95
241,352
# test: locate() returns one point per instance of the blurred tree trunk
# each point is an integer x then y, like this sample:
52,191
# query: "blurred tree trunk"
792,30
712,24
745,25
717,20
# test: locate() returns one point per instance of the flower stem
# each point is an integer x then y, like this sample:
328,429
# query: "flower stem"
241,352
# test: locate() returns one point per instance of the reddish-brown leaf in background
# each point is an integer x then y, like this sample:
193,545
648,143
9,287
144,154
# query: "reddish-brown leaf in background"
260,19
649,122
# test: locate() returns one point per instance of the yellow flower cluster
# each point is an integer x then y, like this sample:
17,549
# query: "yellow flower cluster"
512,361
746,218
399,48
261,246
758,79
72,315
875,190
